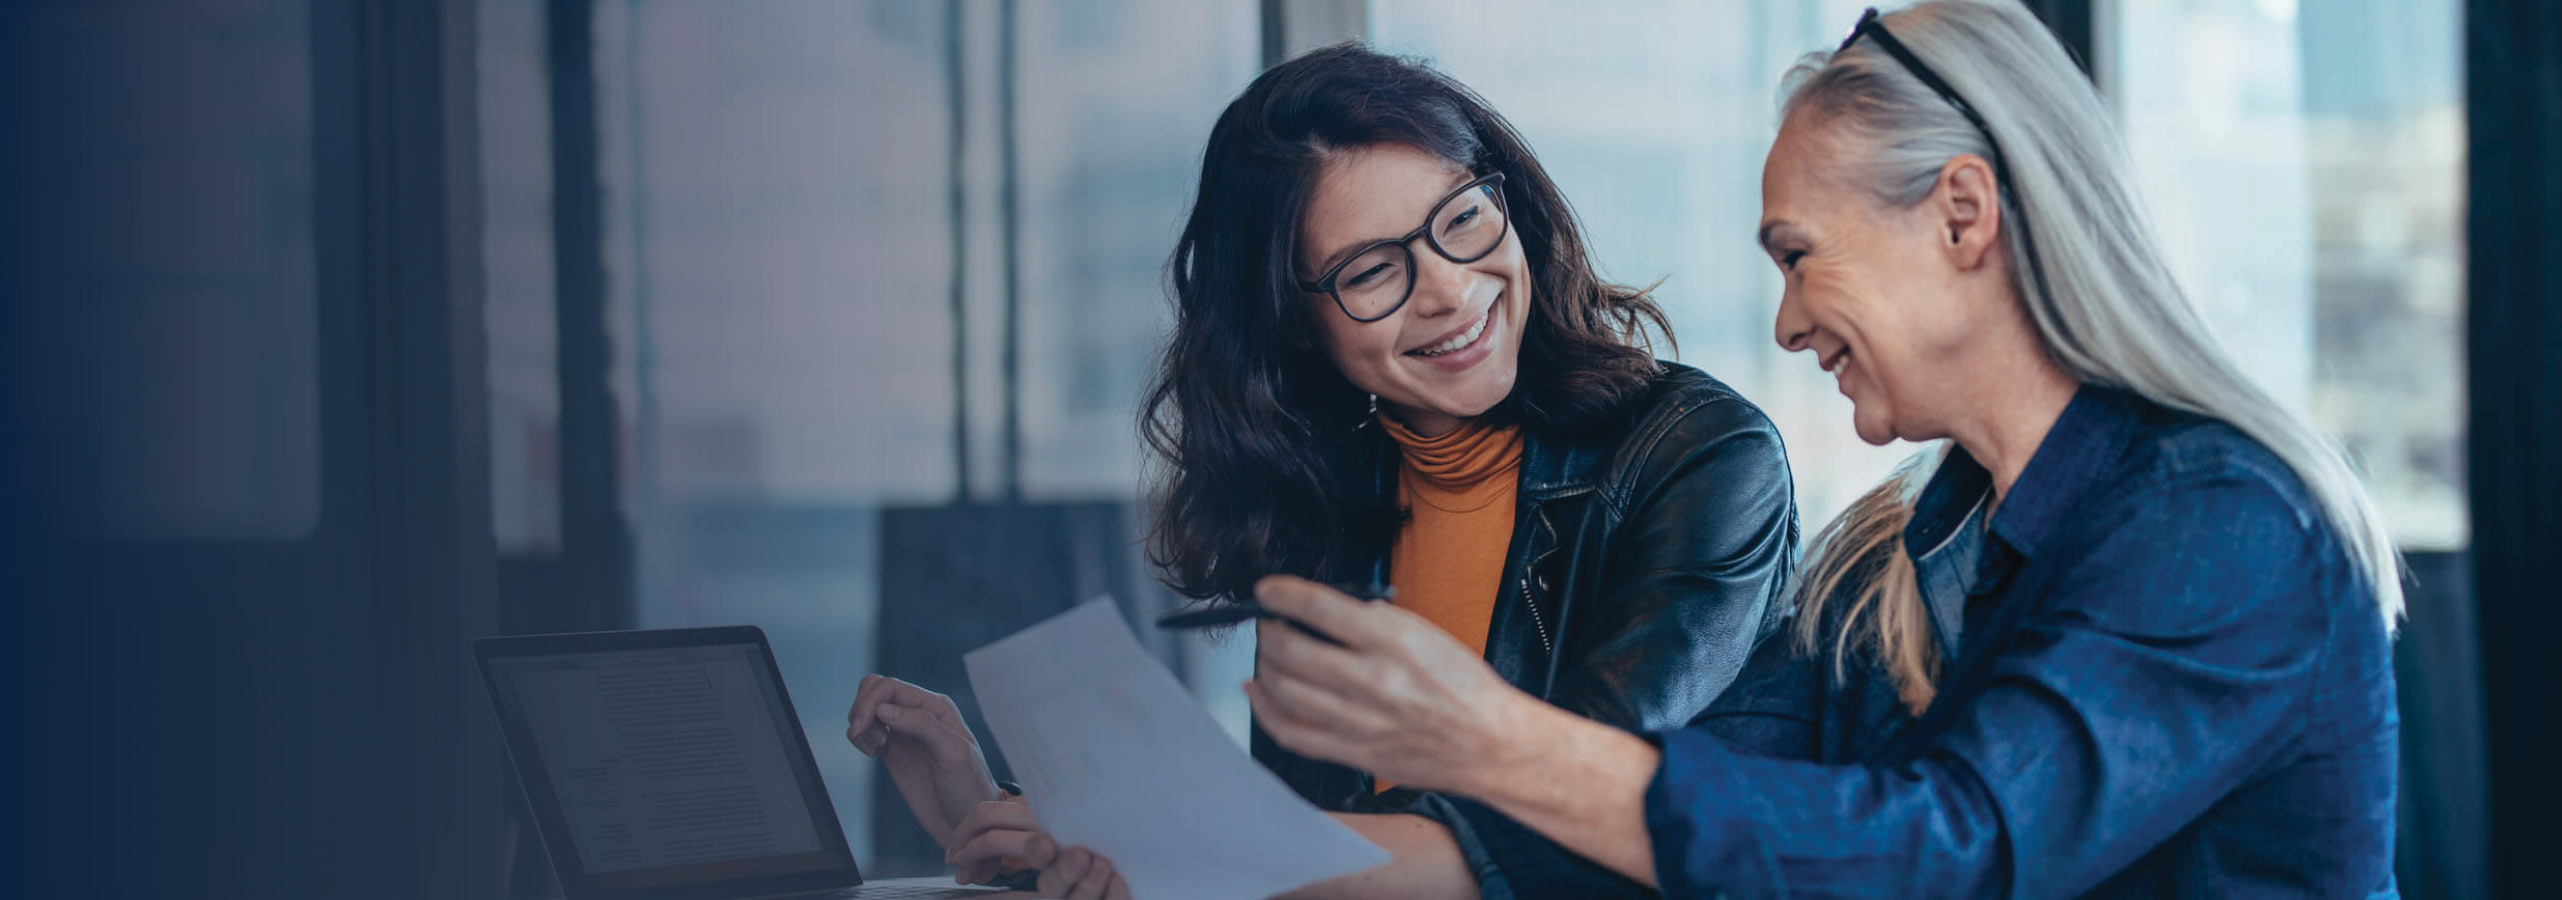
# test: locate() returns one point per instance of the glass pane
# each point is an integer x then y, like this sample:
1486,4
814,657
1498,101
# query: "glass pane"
776,278
2308,176
1653,117
780,258
516,262
1115,101
178,287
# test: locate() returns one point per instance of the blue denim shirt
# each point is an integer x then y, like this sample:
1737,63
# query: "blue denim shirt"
2167,679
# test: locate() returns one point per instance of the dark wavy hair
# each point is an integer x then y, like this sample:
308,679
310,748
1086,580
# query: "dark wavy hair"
1265,466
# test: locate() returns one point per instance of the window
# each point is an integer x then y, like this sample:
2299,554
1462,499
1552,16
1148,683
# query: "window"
780,259
2307,170
1111,142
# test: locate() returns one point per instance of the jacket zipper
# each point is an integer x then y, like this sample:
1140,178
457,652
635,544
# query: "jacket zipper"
1536,620
1530,568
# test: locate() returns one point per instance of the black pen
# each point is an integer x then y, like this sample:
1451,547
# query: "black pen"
1238,612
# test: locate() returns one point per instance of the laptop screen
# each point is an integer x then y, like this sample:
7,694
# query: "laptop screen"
675,764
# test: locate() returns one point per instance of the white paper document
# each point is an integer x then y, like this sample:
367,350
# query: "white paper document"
1114,755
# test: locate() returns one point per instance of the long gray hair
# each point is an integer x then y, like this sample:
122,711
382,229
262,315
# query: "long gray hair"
2103,301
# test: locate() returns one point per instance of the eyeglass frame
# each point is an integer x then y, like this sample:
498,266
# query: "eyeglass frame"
1324,284
1872,25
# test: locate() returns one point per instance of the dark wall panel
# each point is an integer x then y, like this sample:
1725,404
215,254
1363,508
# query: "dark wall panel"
245,481
2513,82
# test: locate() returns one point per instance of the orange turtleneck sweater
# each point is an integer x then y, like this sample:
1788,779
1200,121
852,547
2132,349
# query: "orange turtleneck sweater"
1459,487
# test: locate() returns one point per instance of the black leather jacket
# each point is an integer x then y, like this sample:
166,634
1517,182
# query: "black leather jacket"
1649,556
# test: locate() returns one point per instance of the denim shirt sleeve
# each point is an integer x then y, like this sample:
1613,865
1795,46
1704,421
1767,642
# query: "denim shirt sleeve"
2166,663
1770,711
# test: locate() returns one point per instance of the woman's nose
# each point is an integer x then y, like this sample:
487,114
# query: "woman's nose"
1792,329
1440,286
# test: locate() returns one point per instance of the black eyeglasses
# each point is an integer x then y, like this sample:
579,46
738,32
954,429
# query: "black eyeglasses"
1871,26
1374,281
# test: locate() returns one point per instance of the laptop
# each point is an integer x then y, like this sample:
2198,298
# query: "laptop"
668,765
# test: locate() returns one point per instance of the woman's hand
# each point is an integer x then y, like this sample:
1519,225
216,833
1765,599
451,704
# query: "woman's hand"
1400,698
1406,701
995,832
929,751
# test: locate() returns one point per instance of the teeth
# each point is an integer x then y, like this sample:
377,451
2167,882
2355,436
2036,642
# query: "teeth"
1461,342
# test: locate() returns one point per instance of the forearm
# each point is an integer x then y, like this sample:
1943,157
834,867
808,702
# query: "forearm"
939,804
1426,863
1580,783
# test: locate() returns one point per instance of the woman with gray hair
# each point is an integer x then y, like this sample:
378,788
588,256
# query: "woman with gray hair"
2129,634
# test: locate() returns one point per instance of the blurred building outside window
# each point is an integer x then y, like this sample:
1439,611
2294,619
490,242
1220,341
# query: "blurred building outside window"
2306,168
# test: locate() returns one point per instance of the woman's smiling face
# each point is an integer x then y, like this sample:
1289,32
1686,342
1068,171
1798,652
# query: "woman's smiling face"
1453,350
1874,293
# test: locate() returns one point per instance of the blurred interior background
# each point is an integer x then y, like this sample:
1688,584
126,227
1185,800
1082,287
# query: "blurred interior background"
348,330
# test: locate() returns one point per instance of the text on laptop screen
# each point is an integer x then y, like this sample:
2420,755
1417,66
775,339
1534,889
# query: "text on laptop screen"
666,757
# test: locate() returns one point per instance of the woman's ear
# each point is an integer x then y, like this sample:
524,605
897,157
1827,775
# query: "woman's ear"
1968,201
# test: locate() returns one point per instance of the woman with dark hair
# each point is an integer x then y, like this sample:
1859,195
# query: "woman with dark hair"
1393,363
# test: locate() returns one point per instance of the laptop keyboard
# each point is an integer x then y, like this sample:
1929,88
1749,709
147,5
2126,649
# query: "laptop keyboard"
913,892
906,889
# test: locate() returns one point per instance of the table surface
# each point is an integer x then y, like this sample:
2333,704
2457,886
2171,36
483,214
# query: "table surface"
945,881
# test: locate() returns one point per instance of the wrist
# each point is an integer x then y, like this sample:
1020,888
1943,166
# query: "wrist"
1515,748
1562,763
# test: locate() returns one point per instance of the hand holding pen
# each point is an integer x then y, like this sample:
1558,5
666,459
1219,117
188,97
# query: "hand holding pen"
1232,613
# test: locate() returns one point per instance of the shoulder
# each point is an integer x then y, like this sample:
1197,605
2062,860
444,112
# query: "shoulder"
1687,423
2209,526
2179,459
1677,390
1685,411
2173,445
